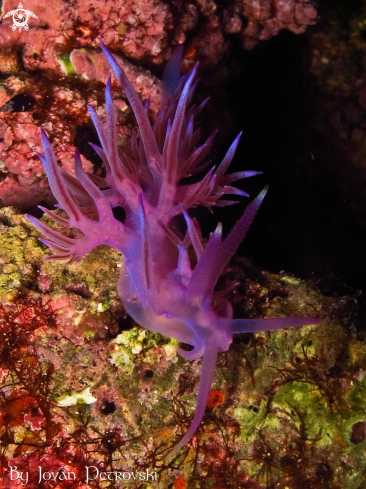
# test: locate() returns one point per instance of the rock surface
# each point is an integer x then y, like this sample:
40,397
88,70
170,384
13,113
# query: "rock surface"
144,32
287,407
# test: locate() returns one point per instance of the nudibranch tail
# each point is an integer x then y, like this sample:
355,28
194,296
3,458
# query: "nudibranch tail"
206,378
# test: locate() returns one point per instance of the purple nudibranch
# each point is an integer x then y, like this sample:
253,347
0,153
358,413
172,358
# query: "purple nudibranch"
158,287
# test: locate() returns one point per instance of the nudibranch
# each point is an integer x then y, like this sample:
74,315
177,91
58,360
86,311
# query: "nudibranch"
159,287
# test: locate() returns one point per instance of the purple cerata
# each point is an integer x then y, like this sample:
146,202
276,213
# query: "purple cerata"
159,286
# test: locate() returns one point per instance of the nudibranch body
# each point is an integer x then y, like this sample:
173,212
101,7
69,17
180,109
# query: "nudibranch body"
158,286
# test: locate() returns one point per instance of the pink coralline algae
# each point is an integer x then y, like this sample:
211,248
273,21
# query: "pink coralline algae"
251,20
267,17
92,64
44,32
144,30
159,287
61,109
22,180
138,28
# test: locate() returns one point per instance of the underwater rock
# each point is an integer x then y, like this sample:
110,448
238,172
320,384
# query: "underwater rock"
9,62
69,43
22,178
38,43
288,406
94,65
148,29
337,89
255,21
138,29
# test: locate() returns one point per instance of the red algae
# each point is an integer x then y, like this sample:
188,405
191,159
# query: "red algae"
215,398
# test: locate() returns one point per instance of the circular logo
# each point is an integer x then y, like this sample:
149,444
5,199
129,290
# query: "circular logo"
20,19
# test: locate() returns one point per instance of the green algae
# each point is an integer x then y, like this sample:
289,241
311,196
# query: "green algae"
302,411
19,253
65,63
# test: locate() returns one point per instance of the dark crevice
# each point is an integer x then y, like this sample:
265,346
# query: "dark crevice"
19,103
